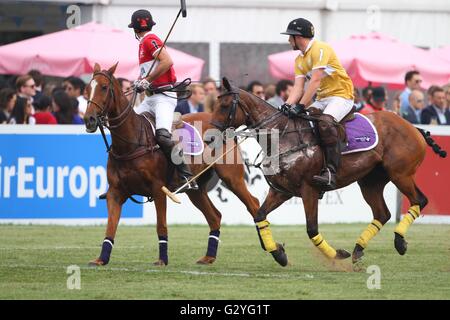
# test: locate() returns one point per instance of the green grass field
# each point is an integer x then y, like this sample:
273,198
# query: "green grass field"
33,262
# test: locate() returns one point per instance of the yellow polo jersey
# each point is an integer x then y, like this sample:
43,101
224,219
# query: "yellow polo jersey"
336,83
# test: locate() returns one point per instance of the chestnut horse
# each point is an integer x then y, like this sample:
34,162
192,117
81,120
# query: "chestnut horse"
398,154
136,166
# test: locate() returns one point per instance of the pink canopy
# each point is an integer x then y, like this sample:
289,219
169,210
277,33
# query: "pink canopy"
376,58
443,53
75,51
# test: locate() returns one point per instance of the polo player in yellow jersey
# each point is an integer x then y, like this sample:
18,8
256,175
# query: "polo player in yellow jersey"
328,80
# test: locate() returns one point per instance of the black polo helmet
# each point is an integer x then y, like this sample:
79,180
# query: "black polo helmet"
141,20
300,27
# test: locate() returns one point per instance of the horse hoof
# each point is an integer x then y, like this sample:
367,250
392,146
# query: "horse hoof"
400,244
206,260
358,253
280,256
96,263
342,254
160,263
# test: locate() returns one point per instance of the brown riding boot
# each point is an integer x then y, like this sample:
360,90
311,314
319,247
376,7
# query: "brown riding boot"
332,151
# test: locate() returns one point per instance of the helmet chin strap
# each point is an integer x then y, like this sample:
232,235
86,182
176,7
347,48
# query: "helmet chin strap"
295,45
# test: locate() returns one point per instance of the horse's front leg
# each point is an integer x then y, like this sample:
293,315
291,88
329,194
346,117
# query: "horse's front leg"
310,197
115,200
273,200
161,227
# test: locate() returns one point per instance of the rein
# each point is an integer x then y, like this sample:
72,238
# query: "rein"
111,123
258,125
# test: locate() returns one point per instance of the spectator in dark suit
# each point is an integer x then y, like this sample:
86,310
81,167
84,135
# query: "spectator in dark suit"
195,102
413,110
436,113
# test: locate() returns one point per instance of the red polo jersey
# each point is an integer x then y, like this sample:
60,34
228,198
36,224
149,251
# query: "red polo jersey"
149,47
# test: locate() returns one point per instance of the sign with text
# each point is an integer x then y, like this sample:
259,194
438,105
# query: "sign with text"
54,176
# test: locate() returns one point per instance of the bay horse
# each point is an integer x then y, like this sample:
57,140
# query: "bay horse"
398,154
136,166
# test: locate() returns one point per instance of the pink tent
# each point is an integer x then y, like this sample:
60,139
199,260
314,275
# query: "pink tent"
75,51
376,58
443,52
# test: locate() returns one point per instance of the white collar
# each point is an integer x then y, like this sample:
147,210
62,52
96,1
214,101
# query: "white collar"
307,48
146,34
192,106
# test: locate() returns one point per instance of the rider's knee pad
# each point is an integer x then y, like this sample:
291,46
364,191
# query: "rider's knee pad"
327,129
164,138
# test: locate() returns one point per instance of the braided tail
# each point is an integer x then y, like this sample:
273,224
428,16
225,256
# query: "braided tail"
436,148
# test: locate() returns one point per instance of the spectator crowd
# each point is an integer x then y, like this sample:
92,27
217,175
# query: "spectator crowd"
28,99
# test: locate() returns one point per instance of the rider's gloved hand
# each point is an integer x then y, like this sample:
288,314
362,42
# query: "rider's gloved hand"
141,85
297,109
285,108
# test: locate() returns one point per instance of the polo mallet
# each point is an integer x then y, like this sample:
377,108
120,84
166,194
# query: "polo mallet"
172,195
182,11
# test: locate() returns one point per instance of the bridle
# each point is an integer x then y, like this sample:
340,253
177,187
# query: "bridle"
236,103
102,118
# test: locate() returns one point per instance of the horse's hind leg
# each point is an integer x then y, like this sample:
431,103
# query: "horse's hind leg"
213,216
372,187
115,200
417,202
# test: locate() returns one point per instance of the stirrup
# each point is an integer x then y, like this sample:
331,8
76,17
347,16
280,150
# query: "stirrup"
190,186
324,185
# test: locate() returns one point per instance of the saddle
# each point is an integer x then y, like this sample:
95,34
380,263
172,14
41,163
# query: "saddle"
341,128
177,123
186,134
356,132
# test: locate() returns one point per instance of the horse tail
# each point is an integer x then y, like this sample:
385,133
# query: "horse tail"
436,148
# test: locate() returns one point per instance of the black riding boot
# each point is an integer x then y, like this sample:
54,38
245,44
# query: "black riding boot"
327,179
332,151
174,151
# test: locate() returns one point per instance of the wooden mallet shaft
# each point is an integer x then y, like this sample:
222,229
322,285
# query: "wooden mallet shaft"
172,195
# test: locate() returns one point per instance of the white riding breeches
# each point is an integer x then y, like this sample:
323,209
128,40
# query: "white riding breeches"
162,107
335,106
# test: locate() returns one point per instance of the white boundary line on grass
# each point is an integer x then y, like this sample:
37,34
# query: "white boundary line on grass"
184,272
68,248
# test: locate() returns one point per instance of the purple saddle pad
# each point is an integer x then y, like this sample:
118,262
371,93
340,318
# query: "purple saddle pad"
190,139
361,134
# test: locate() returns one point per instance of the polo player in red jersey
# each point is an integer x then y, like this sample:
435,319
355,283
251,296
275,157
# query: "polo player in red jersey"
161,77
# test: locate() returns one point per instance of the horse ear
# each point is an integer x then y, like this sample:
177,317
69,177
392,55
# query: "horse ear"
97,67
226,84
113,68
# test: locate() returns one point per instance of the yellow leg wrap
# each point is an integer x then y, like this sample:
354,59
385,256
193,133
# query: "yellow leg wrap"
371,231
323,246
265,235
408,219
